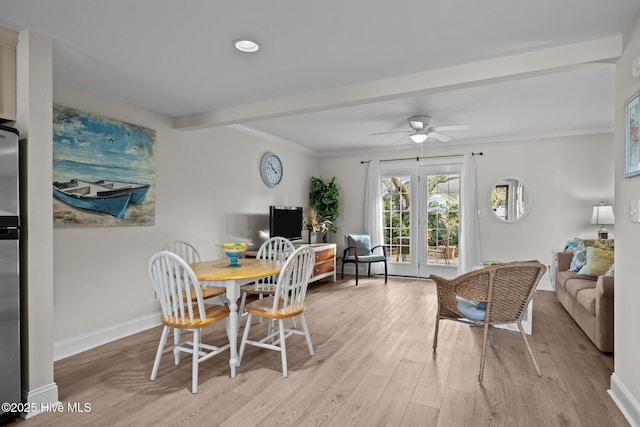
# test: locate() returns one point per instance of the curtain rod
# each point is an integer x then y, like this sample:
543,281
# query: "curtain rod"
421,158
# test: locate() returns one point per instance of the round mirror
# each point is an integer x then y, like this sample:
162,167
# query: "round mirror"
510,199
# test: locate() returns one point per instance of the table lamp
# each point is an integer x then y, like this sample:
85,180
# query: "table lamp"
602,215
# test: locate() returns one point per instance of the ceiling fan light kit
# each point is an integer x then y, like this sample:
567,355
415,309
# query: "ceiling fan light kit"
421,130
419,136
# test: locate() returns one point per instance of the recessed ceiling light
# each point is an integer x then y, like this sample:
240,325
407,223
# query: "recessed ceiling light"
244,45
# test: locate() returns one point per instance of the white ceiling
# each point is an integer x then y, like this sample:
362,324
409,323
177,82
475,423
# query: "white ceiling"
177,58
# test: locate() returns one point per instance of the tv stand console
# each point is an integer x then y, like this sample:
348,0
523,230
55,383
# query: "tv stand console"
325,265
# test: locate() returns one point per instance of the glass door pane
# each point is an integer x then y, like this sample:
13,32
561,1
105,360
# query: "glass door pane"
397,224
443,201
439,220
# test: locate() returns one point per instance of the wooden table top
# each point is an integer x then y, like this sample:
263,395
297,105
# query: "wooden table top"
249,269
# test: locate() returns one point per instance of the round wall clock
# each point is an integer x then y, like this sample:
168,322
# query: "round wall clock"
271,169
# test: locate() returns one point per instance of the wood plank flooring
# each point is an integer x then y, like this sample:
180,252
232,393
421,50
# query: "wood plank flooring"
373,367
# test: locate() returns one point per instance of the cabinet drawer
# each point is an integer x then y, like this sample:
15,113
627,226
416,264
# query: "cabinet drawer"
325,254
323,267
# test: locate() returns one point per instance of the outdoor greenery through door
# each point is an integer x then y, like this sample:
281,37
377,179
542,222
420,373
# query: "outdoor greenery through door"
434,230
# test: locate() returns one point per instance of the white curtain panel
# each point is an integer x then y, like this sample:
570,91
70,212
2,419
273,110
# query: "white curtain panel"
469,244
373,211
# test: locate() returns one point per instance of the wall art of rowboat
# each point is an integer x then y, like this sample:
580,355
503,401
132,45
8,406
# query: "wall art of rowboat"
87,195
138,191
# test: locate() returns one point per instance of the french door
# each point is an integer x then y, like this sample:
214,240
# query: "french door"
421,218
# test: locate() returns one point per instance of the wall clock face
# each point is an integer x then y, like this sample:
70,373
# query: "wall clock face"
271,169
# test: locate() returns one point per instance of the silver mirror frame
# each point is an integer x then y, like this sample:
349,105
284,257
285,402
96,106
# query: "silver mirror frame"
513,182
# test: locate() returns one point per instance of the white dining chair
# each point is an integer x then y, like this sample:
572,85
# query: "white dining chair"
183,308
287,302
184,249
275,248
189,253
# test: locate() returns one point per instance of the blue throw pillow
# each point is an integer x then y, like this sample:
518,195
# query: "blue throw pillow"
362,243
473,310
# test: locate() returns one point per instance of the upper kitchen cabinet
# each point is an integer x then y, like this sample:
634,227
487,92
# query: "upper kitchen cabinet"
8,42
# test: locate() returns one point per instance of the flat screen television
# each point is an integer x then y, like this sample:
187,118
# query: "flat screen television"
285,221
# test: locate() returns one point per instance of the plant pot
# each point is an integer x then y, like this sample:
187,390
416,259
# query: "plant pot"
314,236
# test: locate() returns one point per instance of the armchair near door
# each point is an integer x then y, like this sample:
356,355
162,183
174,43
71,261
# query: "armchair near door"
359,251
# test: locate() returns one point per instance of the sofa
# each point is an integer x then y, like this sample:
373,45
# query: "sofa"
588,299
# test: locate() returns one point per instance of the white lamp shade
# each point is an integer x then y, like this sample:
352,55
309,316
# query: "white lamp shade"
602,215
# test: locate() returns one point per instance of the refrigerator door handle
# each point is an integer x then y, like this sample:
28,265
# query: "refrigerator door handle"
9,233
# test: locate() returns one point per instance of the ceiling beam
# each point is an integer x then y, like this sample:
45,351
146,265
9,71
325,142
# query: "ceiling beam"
518,66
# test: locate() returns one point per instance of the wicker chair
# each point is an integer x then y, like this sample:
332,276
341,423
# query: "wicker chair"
494,295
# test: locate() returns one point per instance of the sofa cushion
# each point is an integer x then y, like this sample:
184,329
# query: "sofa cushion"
563,276
580,252
587,299
597,263
573,286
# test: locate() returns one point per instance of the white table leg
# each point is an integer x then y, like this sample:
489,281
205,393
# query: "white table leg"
233,336
233,292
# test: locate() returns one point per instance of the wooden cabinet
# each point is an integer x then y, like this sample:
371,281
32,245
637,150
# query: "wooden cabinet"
325,265
8,42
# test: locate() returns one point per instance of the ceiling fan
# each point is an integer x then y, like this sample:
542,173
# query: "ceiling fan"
420,130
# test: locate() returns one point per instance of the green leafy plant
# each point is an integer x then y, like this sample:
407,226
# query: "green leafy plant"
324,199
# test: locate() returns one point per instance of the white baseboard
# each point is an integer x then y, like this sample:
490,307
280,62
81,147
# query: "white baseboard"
40,399
75,345
625,401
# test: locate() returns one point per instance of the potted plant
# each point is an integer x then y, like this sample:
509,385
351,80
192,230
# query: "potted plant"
324,199
315,223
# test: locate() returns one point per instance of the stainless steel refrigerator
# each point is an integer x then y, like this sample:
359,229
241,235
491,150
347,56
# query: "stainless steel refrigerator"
10,389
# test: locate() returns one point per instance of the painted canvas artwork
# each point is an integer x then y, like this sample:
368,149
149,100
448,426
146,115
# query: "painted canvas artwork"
103,171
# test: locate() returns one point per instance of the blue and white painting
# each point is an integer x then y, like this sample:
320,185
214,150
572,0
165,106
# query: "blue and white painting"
103,171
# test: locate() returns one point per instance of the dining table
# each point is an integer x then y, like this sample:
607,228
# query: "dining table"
221,274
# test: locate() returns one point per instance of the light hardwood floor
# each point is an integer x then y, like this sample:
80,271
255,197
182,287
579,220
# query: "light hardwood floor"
373,367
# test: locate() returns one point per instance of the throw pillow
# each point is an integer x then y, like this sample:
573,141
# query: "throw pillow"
610,271
570,246
598,262
606,244
362,244
580,252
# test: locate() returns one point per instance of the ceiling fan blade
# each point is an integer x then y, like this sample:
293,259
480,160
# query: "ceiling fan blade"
440,137
398,140
386,133
449,128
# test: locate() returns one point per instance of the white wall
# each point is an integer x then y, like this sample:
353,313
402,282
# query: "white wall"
567,176
625,382
204,179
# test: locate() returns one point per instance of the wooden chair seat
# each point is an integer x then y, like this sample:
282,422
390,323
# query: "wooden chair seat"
264,307
259,289
213,313
206,293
